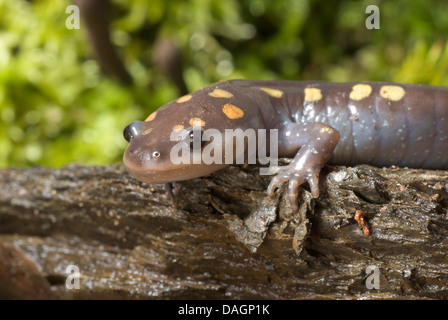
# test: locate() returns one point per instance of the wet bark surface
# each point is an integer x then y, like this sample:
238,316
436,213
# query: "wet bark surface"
227,240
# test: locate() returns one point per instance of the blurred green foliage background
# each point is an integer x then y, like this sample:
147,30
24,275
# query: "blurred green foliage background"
56,106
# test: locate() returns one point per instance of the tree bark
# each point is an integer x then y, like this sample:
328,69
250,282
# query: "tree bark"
227,240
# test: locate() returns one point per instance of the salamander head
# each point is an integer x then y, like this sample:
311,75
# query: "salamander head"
176,130
148,156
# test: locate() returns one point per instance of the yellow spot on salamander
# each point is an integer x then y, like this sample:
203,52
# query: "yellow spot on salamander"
360,91
273,92
184,98
197,122
218,93
152,116
232,112
326,130
178,127
147,131
313,94
393,93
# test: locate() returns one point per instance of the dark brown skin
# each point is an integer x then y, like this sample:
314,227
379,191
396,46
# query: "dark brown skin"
380,124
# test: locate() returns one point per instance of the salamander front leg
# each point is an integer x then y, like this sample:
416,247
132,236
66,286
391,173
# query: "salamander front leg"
169,190
316,142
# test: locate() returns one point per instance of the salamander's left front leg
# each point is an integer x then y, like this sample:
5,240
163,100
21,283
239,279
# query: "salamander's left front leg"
316,142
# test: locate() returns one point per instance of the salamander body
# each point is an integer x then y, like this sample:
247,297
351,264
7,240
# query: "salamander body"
375,123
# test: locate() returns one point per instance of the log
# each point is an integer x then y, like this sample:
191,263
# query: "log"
227,240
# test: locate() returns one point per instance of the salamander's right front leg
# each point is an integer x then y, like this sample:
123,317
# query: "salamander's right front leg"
316,142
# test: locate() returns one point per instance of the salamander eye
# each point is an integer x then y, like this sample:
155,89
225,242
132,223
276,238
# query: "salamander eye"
132,130
194,137
128,134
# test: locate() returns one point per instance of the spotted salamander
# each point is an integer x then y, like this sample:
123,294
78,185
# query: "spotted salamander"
375,123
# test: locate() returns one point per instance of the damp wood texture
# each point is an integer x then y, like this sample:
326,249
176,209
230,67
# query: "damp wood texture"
227,240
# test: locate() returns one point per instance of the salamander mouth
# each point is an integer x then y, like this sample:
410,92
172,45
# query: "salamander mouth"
179,173
157,177
158,170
